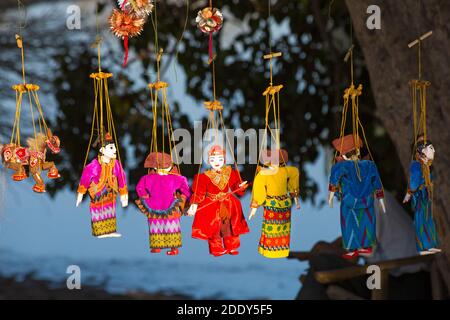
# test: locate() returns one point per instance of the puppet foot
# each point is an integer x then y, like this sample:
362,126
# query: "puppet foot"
350,255
19,176
155,250
435,250
115,235
365,252
53,174
220,253
426,252
110,235
38,188
233,252
173,252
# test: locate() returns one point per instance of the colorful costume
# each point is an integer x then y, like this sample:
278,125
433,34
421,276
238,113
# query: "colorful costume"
163,207
103,181
356,183
274,189
219,218
426,234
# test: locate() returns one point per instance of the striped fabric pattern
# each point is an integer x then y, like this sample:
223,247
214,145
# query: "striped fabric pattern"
276,228
103,213
358,227
426,234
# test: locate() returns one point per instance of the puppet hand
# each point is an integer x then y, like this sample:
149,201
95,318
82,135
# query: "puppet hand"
382,205
252,213
330,199
192,210
243,185
124,200
79,199
297,203
407,198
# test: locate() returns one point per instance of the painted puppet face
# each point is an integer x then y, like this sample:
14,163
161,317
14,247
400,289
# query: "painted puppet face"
109,151
216,162
429,152
165,171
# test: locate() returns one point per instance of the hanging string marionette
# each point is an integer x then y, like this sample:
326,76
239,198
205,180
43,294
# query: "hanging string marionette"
163,192
420,184
103,178
276,185
128,21
217,212
33,156
355,181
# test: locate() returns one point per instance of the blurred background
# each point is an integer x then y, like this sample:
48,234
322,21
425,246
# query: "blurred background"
40,235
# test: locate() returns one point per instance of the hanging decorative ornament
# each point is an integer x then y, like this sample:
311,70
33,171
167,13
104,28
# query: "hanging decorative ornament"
218,216
17,157
420,182
353,180
125,25
140,8
276,185
127,22
209,20
104,177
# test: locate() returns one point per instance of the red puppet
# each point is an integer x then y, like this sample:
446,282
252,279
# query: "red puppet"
218,212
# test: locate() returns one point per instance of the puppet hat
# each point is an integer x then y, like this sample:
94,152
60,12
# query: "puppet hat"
216,151
100,143
158,160
270,156
347,143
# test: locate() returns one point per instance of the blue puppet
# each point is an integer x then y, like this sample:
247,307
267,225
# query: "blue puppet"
356,183
420,191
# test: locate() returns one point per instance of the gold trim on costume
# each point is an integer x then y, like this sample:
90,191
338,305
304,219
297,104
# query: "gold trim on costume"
106,177
219,179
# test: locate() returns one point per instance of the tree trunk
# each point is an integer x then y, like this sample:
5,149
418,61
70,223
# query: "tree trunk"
391,65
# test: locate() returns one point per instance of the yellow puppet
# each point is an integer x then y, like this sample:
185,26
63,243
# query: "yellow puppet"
274,188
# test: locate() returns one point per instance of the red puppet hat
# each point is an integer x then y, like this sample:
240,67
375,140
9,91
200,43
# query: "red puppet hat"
216,151
158,160
347,143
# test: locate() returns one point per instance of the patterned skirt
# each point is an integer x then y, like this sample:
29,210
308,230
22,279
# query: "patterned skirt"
164,225
276,228
358,226
426,233
103,212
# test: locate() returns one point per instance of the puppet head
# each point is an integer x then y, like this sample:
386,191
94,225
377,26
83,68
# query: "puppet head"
425,149
274,158
107,146
216,157
159,162
347,148
53,142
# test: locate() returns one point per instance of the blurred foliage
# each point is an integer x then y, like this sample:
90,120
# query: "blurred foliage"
313,37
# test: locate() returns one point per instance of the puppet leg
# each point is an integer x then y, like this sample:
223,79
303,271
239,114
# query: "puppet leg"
232,244
39,185
349,228
216,247
367,227
426,234
53,172
19,173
